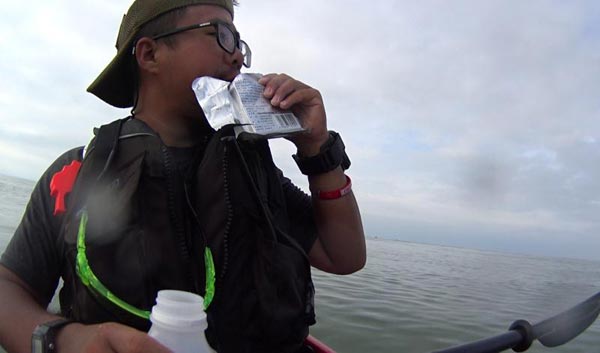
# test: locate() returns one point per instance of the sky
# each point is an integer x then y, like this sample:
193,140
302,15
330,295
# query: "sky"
469,123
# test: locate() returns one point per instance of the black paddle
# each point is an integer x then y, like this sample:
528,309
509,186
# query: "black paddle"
551,332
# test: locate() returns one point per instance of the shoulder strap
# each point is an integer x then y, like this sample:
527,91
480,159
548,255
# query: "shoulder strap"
96,160
105,147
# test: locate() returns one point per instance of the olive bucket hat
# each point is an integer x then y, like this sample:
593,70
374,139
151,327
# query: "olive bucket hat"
115,85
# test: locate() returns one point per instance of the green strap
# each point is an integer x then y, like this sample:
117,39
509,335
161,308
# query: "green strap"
209,265
89,279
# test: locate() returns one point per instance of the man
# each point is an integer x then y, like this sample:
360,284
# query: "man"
160,193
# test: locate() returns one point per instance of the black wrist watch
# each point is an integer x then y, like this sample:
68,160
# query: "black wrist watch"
43,339
332,155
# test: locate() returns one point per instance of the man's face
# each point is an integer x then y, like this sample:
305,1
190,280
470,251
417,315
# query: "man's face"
196,53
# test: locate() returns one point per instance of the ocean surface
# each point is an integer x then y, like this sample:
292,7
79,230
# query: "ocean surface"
418,298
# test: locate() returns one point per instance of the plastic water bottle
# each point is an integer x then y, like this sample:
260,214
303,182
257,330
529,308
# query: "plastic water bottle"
178,322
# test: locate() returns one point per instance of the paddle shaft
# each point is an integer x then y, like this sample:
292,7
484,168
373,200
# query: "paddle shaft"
488,345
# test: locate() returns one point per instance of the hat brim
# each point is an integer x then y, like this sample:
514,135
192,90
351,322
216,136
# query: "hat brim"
115,85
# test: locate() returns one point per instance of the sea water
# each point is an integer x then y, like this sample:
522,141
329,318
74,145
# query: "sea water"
419,298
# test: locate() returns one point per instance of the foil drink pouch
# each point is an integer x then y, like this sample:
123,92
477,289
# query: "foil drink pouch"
241,103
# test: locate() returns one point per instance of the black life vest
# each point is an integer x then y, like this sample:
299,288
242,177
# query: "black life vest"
148,227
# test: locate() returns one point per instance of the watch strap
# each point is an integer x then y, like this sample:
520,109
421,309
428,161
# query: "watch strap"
332,155
43,339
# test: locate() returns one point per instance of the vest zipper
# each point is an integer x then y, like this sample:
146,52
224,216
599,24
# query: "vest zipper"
229,218
182,243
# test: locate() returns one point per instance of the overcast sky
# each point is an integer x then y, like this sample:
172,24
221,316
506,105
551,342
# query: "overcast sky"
468,123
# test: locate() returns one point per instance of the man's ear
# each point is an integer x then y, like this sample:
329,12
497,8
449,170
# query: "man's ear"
145,54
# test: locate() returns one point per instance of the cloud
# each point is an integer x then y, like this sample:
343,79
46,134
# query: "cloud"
467,122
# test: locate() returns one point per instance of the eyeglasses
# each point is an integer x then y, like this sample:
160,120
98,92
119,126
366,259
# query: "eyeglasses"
227,38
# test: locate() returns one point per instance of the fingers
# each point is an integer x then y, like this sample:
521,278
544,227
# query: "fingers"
128,340
278,87
285,92
106,338
306,96
306,103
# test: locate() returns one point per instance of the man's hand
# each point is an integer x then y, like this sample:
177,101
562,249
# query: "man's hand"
106,338
15,334
306,103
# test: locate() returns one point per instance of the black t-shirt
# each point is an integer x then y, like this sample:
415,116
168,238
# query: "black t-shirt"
35,251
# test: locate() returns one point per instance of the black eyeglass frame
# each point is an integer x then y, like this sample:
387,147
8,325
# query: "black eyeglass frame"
239,43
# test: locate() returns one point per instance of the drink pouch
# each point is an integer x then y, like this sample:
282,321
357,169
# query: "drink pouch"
241,103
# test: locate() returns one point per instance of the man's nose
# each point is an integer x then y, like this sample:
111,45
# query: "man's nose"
237,58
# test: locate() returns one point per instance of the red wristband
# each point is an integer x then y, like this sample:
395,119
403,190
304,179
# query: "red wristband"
336,194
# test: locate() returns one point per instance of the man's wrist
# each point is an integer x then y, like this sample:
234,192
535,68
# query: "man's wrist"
313,148
44,336
331,155
336,193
